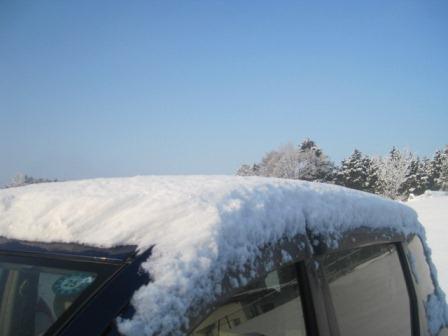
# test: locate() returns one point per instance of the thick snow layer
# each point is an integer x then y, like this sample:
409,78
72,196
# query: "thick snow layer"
432,210
199,226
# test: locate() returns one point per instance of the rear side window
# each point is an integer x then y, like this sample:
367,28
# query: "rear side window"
368,291
422,277
42,293
419,267
270,306
37,294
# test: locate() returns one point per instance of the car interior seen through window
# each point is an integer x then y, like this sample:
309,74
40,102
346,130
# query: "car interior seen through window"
33,297
270,306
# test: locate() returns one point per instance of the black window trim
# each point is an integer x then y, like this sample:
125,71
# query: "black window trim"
313,300
309,313
99,314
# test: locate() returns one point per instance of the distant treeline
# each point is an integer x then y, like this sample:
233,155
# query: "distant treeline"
22,179
396,175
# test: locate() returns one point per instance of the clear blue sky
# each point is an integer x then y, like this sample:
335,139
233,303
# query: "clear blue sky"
118,88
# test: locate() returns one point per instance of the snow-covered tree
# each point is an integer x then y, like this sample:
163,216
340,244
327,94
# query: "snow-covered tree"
305,162
314,165
373,180
442,180
416,179
358,172
20,180
396,175
438,170
247,170
270,161
393,171
287,165
353,173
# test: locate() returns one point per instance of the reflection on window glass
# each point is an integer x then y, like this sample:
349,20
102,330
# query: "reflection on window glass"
422,276
270,307
419,267
33,297
369,292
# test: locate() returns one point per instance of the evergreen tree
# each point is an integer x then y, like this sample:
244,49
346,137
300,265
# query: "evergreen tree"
427,173
359,172
313,164
416,179
433,169
438,170
442,180
397,175
353,173
373,180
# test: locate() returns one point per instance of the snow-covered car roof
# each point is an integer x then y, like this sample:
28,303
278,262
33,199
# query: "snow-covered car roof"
200,226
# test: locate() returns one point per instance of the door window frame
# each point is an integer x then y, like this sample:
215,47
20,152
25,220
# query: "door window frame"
317,305
409,282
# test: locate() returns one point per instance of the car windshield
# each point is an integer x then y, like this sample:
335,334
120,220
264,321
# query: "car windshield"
35,295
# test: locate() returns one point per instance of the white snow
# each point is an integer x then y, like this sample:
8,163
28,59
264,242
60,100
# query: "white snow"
432,210
199,226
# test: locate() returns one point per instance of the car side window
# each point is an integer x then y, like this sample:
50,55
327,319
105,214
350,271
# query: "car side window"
422,276
270,306
419,267
368,291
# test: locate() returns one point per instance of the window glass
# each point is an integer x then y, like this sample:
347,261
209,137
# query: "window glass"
33,297
422,276
419,267
368,291
270,306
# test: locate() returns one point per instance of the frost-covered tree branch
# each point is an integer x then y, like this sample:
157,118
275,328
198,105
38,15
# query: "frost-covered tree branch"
304,162
393,171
